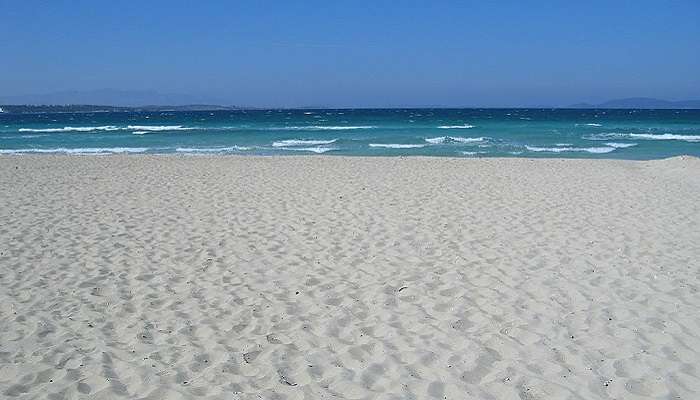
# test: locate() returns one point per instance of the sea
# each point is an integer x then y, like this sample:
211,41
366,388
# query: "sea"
570,133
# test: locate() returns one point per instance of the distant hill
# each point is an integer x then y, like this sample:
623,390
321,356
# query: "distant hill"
82,108
642,102
112,98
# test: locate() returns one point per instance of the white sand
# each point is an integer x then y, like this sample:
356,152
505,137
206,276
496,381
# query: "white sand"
167,277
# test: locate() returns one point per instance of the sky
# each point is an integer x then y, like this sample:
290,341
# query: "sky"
356,53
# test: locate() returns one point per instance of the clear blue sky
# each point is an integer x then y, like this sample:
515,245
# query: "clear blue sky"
338,53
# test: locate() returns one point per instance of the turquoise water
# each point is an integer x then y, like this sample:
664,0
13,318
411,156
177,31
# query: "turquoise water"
626,134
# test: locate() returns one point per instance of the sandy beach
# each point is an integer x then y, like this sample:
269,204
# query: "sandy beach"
178,277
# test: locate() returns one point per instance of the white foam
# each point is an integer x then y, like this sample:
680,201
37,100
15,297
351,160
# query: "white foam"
139,129
396,145
468,139
298,142
436,140
158,128
84,150
445,139
317,150
465,126
72,129
320,128
644,136
665,136
562,144
596,150
620,145
593,124
22,136
211,149
473,153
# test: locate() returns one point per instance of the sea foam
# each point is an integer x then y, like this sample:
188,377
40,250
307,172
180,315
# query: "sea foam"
319,128
141,129
299,142
595,150
620,145
318,150
644,136
83,150
665,136
396,145
211,149
448,139
72,129
465,126
159,128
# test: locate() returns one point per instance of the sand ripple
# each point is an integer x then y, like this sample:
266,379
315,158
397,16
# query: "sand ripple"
302,278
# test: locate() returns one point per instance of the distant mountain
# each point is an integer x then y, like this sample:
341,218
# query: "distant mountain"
642,102
77,108
186,107
83,108
112,97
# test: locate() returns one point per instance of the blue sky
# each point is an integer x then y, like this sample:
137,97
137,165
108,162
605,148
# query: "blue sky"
338,53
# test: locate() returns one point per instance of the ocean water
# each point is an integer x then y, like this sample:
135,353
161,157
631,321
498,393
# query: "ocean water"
624,134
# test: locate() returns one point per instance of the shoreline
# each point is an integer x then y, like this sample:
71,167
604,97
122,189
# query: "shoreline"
683,157
219,276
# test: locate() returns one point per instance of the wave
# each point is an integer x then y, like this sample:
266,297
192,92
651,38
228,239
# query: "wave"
396,145
473,153
22,136
319,128
299,142
210,149
465,126
468,139
620,145
437,140
159,128
141,129
665,136
145,129
84,150
447,139
644,136
593,125
595,150
318,150
72,129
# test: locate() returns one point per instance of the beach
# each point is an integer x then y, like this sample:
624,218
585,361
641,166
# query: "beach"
319,277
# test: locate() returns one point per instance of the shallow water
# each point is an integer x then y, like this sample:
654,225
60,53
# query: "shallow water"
626,134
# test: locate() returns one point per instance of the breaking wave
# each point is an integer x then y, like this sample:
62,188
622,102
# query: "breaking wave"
82,150
449,139
594,150
317,150
210,149
299,142
396,145
465,126
644,136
